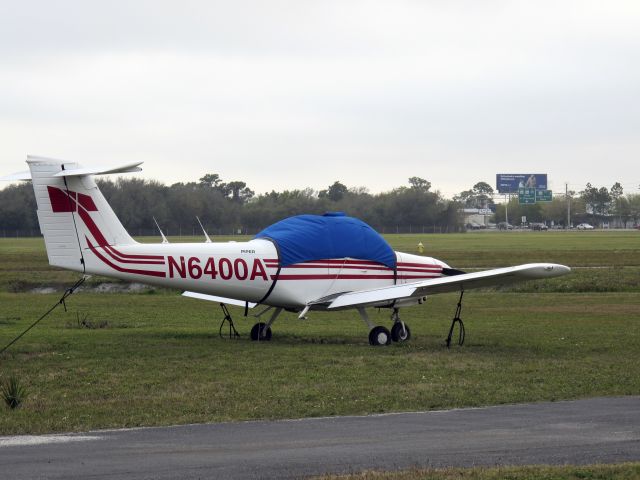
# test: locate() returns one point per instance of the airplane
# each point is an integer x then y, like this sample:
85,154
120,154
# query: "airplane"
300,264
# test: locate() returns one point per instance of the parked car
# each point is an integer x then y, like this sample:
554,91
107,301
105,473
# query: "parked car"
474,226
505,226
539,226
584,226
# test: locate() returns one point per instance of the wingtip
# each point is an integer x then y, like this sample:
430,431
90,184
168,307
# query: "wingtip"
557,269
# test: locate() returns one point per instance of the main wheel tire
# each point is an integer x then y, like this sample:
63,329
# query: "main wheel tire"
260,332
399,334
379,336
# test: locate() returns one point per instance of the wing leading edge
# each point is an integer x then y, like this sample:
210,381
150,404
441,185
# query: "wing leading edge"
456,283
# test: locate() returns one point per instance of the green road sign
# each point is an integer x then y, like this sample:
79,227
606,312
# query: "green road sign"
544,196
526,196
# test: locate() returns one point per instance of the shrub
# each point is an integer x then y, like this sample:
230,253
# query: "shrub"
13,392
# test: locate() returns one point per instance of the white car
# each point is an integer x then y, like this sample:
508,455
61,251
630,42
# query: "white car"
584,226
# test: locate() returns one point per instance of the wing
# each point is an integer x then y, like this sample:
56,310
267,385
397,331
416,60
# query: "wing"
455,283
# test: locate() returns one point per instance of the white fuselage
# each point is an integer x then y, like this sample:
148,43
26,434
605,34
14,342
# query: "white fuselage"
248,271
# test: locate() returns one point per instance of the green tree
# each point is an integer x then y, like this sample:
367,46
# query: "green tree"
633,201
239,191
598,200
212,180
335,192
226,207
616,193
555,211
479,196
18,209
419,184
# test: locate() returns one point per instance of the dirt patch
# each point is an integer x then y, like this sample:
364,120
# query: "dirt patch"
43,290
117,288
99,288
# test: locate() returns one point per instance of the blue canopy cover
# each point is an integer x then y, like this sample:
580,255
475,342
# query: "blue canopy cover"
305,238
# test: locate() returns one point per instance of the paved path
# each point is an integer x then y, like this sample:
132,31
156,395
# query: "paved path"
584,431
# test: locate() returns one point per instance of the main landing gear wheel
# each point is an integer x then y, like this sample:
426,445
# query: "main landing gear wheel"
379,336
260,332
400,332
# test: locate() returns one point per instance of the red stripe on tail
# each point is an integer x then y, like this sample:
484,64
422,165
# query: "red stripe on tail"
60,201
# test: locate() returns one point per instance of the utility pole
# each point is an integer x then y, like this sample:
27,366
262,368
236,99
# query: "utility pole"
506,211
566,195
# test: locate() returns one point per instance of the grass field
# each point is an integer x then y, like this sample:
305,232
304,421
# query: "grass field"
155,358
625,471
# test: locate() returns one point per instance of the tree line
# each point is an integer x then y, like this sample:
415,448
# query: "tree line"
232,207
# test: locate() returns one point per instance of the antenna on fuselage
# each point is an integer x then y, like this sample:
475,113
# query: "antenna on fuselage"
208,240
164,239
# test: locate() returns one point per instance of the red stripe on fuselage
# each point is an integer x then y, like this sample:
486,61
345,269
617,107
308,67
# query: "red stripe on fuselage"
122,269
332,277
371,268
337,267
419,270
423,265
116,256
145,257
351,277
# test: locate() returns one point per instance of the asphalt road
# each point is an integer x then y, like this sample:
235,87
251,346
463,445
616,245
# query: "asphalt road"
599,430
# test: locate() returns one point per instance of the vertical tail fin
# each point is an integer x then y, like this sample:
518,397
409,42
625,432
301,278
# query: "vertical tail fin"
73,212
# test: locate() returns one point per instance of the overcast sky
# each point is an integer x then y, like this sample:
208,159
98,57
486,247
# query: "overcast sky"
294,94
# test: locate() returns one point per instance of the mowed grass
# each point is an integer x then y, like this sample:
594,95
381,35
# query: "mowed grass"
501,249
624,471
159,359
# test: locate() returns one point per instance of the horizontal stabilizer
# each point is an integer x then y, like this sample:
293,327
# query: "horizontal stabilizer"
455,283
14,177
100,170
74,172
213,298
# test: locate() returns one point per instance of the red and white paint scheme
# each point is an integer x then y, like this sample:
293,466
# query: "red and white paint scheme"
82,233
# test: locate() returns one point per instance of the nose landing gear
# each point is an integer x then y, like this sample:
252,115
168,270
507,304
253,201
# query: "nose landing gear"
400,331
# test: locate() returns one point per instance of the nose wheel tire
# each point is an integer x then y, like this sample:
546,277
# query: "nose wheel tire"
400,332
379,336
260,332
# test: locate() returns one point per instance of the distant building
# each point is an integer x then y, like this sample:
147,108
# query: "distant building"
476,218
